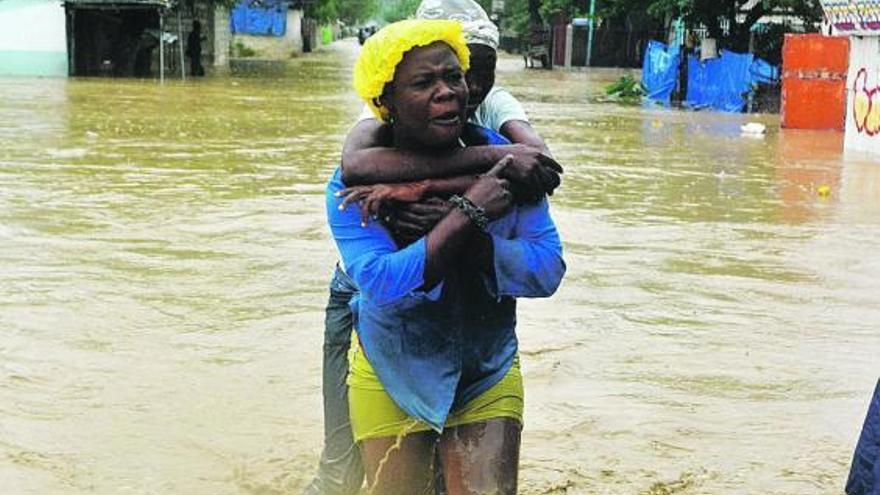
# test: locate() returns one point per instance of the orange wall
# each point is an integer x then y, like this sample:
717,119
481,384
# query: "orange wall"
814,69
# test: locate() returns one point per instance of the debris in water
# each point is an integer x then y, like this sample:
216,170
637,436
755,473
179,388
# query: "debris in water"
754,129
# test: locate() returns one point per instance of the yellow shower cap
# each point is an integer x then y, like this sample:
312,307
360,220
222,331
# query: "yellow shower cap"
384,50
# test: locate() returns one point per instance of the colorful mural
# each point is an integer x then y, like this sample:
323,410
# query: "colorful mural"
863,95
866,104
853,16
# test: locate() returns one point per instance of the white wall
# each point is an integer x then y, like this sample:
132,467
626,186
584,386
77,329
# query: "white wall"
274,47
863,95
32,26
33,38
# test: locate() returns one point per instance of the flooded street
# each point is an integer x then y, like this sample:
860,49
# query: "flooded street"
164,264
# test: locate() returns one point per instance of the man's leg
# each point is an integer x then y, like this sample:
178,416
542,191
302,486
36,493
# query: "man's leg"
341,471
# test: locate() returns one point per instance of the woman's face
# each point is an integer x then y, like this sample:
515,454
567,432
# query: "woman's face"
428,98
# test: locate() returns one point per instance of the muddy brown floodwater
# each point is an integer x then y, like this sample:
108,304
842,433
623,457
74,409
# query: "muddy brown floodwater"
164,262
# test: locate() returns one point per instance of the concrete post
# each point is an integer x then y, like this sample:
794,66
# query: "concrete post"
222,38
569,45
180,44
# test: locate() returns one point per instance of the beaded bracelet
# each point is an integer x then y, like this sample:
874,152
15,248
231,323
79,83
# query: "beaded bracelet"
472,211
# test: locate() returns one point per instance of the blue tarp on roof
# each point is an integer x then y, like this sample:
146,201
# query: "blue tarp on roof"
660,71
864,476
724,83
259,17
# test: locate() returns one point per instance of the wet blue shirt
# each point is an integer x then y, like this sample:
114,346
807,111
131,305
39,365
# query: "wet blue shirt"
864,475
434,351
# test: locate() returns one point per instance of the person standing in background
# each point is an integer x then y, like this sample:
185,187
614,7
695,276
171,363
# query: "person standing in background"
194,50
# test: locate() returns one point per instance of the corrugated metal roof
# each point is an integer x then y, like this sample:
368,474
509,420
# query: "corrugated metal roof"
120,3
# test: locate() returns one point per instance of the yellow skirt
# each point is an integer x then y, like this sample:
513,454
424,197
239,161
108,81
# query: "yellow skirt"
374,414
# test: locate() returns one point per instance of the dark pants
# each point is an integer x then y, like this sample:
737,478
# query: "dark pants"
341,471
195,66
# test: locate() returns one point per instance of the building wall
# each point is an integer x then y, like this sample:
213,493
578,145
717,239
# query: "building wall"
273,47
863,95
33,38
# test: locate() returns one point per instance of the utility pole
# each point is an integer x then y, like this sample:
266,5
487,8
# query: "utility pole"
180,42
590,33
162,46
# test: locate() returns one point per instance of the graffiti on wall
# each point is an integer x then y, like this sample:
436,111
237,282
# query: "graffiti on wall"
853,16
866,104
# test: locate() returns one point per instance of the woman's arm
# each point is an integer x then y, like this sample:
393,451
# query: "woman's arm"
385,274
529,263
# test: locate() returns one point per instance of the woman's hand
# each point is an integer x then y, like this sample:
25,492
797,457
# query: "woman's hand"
492,192
374,198
409,222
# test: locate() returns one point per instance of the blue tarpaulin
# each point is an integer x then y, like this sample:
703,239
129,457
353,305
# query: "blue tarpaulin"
660,71
724,83
864,476
763,72
259,17
721,84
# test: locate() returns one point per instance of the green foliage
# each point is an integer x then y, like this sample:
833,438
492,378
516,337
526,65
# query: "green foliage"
323,11
707,13
397,10
768,43
516,17
564,8
626,90
710,13
350,12
242,51
626,87
354,12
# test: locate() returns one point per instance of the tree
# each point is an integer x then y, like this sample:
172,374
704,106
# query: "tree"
354,12
322,10
397,10
711,14
350,12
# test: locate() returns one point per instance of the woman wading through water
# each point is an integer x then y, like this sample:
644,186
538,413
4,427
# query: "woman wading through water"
435,366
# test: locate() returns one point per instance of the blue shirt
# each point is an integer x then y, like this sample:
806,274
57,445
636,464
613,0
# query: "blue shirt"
864,475
434,351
